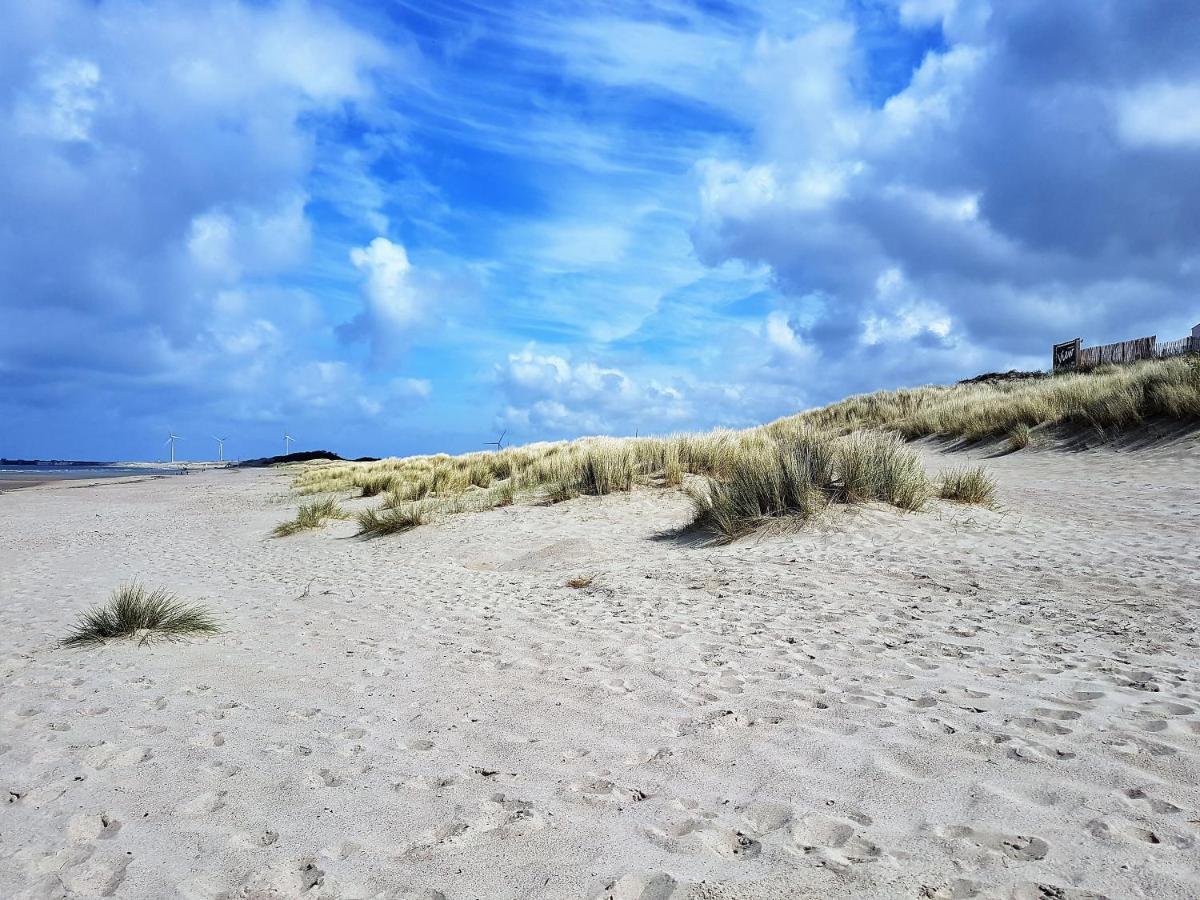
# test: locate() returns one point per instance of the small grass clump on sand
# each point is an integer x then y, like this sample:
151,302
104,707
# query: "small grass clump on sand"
800,476
311,515
1019,436
132,610
968,486
394,519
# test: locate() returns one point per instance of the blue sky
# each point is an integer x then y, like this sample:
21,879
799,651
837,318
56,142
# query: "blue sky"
393,227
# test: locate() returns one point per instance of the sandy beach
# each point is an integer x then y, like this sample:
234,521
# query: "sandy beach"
956,703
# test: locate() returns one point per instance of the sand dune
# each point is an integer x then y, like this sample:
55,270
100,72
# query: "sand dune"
952,704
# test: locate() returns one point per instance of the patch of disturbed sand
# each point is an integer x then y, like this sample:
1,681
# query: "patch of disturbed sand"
958,703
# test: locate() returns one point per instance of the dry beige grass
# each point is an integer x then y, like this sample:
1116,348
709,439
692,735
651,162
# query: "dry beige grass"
806,472
968,486
1110,398
757,464
311,515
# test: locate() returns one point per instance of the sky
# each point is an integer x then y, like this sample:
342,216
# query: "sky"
396,227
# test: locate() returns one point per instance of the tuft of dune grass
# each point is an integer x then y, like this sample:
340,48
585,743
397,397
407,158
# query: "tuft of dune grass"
311,515
877,466
133,610
376,484
968,486
1018,436
799,476
393,520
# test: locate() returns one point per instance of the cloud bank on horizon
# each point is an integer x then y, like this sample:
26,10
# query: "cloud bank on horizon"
396,228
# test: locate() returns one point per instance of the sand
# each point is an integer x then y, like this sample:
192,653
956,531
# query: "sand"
958,703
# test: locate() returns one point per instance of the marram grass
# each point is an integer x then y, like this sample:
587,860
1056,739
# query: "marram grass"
968,486
311,515
133,610
393,520
801,476
759,465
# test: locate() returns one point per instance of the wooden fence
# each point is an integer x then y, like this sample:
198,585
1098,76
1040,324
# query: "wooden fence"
1120,352
1179,347
1070,355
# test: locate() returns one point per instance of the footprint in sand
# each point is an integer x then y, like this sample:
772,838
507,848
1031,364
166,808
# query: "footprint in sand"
1035,891
1021,848
91,826
423,782
323,778
637,886
765,817
730,843
1162,807
106,755
833,842
644,757
259,837
499,817
97,878
597,789
291,879
955,889
209,801
1115,828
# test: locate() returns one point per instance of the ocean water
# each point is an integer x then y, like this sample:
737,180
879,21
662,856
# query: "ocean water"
48,471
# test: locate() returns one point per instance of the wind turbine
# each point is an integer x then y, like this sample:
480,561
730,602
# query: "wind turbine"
287,443
171,440
220,448
498,443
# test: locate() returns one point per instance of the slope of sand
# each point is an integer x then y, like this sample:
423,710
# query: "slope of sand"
960,703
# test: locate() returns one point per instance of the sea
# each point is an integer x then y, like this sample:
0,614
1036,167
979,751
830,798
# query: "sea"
54,470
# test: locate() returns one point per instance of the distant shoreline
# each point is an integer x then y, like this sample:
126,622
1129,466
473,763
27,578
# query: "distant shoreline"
15,475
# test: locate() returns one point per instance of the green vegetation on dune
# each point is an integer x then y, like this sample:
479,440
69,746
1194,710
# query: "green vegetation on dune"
847,452
133,610
312,515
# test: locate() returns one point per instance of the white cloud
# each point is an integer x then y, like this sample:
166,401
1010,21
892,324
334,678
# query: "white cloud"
421,388
1161,114
392,300
62,101
784,339
250,240
549,393
331,384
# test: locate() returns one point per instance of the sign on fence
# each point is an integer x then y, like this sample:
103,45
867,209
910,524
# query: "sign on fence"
1066,355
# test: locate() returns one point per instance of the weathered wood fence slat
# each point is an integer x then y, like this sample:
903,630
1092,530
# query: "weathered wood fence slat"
1120,352
1179,347
1070,355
